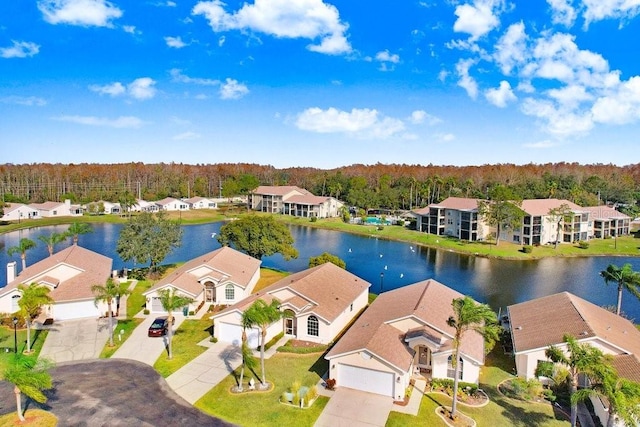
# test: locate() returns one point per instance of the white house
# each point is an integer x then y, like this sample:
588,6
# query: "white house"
222,277
455,217
201,203
318,304
171,204
69,274
402,333
54,209
292,200
143,206
19,211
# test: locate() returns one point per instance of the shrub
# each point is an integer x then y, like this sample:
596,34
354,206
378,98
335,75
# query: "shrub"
313,219
583,245
330,383
146,311
274,340
447,385
380,228
527,249
523,389
192,313
213,340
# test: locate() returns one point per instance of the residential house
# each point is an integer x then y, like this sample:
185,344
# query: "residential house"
18,212
55,209
402,333
143,206
455,217
608,222
69,274
201,203
537,324
111,208
171,204
318,304
222,277
294,201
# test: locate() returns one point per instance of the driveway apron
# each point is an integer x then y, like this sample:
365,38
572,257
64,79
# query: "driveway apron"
354,408
73,340
143,348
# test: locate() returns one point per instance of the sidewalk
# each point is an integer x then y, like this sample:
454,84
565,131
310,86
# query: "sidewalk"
413,406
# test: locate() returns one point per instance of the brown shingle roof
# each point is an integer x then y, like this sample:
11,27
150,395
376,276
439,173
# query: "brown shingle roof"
279,190
605,212
46,206
541,207
544,321
428,302
627,366
307,199
89,268
327,287
238,268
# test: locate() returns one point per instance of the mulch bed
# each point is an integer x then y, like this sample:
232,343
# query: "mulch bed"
302,344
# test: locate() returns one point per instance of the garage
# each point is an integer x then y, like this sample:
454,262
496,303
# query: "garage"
75,310
229,332
156,305
368,380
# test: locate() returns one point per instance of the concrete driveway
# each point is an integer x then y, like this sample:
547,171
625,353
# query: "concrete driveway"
73,340
354,408
143,348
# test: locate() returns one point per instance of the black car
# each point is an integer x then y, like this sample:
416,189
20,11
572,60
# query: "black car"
159,327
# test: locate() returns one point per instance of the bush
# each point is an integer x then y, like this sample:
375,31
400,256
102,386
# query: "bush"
330,384
274,340
523,389
213,340
583,245
527,249
313,219
447,384
146,311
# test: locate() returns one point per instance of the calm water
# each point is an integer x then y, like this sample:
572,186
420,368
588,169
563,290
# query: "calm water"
384,263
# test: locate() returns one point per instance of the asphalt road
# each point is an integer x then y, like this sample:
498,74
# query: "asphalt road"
113,393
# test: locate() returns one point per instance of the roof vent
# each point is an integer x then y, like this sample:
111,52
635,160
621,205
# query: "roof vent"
519,328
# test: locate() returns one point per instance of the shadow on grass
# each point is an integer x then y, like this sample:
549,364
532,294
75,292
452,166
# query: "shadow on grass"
320,366
525,418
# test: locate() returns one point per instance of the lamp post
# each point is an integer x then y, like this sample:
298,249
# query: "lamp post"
381,281
15,335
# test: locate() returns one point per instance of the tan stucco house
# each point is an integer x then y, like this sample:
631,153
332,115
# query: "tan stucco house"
69,274
402,333
222,277
293,201
318,303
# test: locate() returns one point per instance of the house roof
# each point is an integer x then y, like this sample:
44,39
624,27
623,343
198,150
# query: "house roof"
195,199
46,206
74,270
327,290
458,203
544,321
166,201
627,366
280,190
307,199
605,212
224,265
427,302
542,207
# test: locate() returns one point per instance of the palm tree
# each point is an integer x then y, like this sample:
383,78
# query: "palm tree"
469,315
29,376
51,240
579,358
263,315
34,297
625,277
107,293
171,301
23,246
248,361
623,395
78,228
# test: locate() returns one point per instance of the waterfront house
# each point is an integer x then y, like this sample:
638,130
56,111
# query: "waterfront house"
56,209
201,203
293,201
18,212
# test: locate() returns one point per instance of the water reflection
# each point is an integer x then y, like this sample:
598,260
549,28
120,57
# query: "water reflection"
381,262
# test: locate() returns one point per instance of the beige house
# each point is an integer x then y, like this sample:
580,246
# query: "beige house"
608,222
19,212
222,277
171,204
455,217
318,303
201,203
69,274
54,209
293,201
404,332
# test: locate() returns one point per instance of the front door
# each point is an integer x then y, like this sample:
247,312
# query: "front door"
424,358
290,326
210,293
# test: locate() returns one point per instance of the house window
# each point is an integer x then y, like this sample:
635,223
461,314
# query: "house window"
229,292
451,370
312,326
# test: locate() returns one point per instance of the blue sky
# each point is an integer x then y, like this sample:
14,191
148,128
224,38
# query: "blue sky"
320,84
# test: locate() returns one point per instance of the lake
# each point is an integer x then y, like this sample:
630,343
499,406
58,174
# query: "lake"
385,264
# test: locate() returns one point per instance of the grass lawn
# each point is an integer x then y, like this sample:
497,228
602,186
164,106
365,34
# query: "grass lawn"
6,342
136,301
269,276
263,408
184,345
500,412
126,326
33,418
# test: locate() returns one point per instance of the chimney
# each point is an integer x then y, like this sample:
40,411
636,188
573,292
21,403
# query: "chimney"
11,271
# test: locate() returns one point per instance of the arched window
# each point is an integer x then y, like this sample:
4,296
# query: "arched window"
312,326
229,292
451,370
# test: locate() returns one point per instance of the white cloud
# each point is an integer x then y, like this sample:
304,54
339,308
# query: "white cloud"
27,101
97,13
308,19
622,106
511,49
561,122
562,12
569,97
141,88
420,116
177,76
131,29
120,122
597,10
186,136
445,137
175,42
477,19
20,50
221,41
500,96
385,56
540,144
465,81
358,122
231,89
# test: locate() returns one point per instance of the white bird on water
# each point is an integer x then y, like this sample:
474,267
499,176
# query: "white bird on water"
385,267
401,275
213,235
380,255
349,249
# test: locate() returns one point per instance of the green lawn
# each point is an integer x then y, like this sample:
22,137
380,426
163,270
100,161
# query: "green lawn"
6,342
126,326
263,408
184,345
136,301
500,412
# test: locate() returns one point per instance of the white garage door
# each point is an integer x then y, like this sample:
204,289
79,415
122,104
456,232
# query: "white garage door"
229,332
156,305
366,379
75,310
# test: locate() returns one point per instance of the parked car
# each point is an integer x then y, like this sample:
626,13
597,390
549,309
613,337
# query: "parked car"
159,327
